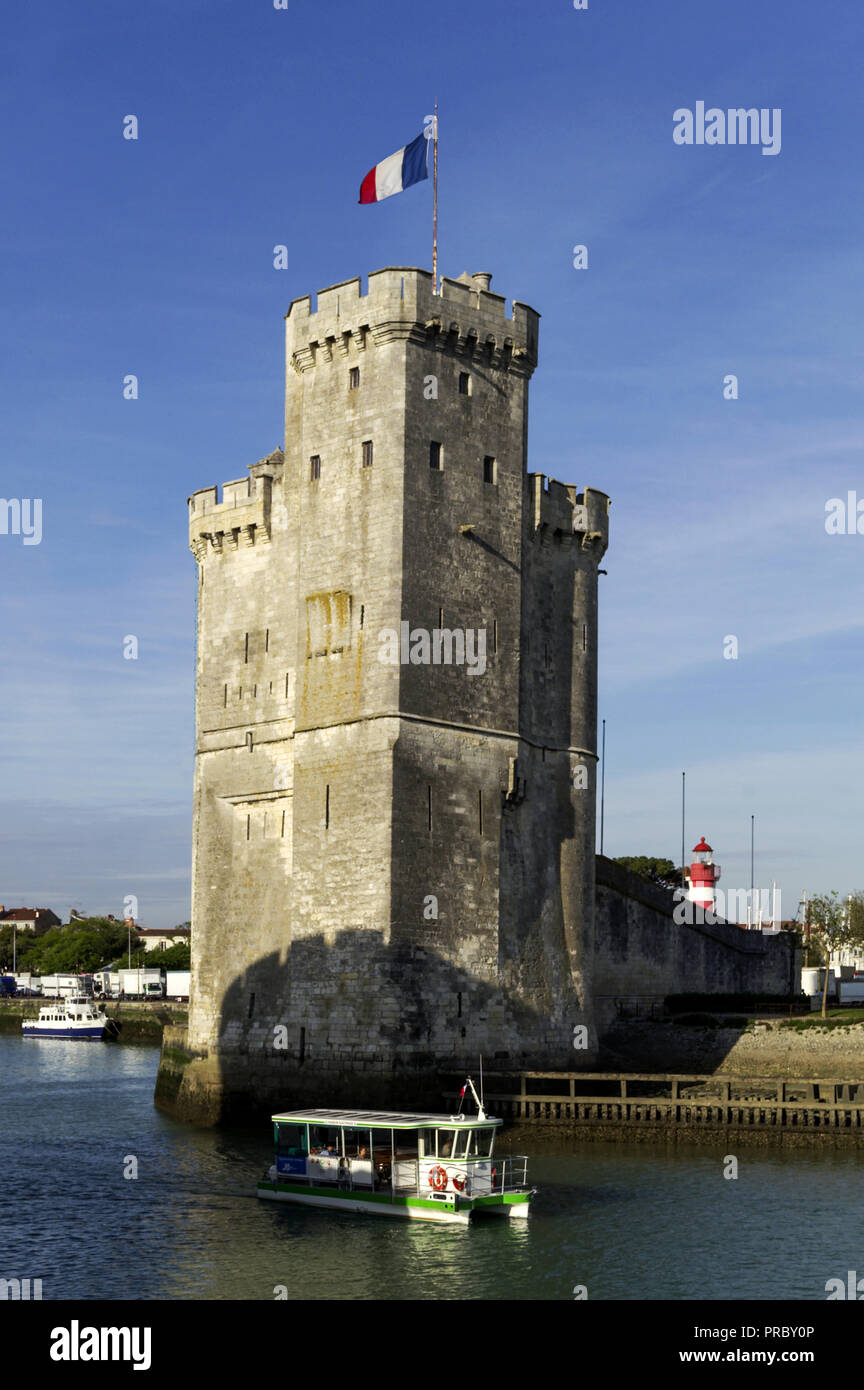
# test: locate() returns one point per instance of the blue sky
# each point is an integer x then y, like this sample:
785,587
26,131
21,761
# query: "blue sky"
155,257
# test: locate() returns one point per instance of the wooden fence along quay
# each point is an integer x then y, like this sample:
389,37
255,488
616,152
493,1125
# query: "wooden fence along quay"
617,1104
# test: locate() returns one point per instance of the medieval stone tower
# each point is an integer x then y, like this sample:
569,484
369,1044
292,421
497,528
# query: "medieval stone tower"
396,720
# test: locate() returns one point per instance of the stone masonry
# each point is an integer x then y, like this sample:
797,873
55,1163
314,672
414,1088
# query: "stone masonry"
393,861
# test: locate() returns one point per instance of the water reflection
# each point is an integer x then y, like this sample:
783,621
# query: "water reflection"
628,1222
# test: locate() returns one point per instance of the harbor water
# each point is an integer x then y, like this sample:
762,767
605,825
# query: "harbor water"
106,1198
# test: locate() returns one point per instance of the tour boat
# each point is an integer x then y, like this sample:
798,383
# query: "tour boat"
426,1167
77,1017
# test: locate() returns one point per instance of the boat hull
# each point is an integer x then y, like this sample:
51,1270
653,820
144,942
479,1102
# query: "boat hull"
94,1034
453,1210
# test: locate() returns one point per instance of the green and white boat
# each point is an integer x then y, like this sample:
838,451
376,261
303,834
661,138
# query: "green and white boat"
425,1167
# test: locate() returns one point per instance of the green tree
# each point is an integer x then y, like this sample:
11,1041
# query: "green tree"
88,945
835,923
660,871
177,957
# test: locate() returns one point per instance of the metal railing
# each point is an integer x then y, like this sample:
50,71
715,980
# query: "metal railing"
502,1174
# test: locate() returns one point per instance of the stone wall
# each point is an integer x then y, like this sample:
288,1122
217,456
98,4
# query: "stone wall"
643,954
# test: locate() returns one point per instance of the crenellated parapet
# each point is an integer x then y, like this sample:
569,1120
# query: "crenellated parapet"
240,518
465,319
560,512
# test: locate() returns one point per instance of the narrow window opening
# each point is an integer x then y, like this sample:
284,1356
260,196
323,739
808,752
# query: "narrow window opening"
251,1004
327,808
267,640
225,697
246,649
254,692
367,453
249,740
584,637
287,673
315,468
435,455
240,693
362,614
490,469
440,618
353,378
480,811
464,384
495,635
283,825
248,827
302,1045
459,1007
429,808
271,687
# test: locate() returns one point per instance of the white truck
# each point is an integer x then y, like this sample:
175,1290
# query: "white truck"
177,983
141,983
27,983
65,986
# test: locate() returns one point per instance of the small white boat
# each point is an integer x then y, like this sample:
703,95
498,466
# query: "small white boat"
77,1017
426,1167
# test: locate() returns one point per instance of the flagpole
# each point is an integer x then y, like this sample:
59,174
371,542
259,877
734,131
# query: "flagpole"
435,205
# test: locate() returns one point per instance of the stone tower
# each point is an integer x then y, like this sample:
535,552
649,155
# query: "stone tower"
396,721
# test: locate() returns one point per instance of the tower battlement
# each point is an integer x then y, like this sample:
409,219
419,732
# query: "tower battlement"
466,318
242,517
561,509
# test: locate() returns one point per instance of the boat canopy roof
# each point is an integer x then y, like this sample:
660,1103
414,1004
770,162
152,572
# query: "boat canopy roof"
384,1119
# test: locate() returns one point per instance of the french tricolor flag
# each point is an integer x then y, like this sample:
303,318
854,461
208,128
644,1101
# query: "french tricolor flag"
396,173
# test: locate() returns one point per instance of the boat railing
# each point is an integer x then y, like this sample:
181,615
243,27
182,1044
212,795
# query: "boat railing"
403,1175
510,1174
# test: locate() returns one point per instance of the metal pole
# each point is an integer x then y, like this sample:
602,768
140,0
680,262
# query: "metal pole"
752,864
683,851
602,785
435,204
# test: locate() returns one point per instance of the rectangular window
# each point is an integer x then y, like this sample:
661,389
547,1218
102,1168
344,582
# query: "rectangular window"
246,649
315,468
435,456
327,808
495,635
464,384
428,808
353,378
225,698
480,811
367,453
292,1140
490,469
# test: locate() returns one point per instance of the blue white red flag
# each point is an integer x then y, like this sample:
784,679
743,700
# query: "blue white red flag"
396,173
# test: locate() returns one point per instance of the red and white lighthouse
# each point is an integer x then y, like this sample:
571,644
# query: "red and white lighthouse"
704,874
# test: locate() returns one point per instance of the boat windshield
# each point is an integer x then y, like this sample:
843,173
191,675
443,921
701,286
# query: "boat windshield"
457,1143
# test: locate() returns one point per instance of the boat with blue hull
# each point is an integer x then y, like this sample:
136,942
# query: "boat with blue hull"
78,1018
